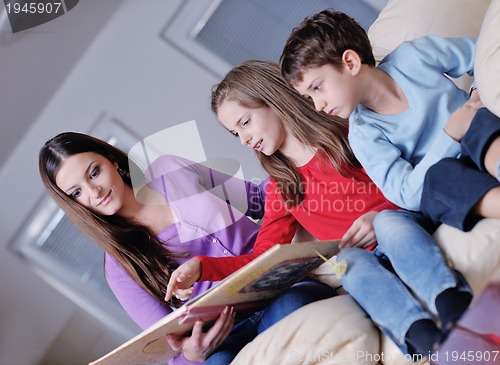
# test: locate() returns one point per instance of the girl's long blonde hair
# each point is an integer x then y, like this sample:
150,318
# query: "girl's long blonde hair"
133,245
256,84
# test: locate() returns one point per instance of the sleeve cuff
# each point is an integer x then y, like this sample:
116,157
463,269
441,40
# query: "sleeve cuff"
218,268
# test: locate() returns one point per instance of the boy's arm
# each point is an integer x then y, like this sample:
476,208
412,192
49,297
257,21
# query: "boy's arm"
461,119
398,180
452,56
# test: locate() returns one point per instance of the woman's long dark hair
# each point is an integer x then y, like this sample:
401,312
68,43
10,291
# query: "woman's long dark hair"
132,244
257,84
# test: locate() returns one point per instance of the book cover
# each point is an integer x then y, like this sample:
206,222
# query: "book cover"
248,289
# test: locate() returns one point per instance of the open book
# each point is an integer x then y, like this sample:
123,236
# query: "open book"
248,289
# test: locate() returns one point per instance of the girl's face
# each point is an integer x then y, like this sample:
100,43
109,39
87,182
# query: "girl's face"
93,182
259,128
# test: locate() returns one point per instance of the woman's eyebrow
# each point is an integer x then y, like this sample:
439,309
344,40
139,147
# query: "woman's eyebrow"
84,174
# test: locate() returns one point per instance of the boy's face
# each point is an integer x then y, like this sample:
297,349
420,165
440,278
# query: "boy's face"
331,90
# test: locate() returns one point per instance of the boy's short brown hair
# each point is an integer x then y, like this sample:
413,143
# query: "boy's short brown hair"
321,39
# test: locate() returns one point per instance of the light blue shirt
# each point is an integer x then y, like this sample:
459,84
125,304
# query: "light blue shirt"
397,150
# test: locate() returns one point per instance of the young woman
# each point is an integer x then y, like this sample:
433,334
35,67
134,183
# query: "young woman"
176,215
316,181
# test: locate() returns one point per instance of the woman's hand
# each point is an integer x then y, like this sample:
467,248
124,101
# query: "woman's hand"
182,280
460,119
361,233
201,344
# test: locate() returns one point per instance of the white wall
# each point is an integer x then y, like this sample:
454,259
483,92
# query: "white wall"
128,72
36,61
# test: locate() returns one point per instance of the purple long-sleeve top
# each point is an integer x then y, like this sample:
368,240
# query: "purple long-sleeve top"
211,210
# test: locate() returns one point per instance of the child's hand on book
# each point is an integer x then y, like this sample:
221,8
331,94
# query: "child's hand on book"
200,344
182,280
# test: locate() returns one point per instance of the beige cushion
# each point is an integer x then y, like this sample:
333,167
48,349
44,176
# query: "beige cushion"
404,20
330,331
394,356
476,254
487,70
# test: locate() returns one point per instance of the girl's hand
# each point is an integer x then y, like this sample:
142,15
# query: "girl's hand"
460,119
182,280
361,233
201,344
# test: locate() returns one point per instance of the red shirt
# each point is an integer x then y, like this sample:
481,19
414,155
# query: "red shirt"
331,204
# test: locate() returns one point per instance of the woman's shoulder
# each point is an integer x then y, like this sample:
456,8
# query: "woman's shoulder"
166,164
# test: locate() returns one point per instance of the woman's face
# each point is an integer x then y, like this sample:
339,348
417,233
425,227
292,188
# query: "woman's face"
93,182
259,128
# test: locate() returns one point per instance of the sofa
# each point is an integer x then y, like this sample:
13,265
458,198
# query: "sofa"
336,330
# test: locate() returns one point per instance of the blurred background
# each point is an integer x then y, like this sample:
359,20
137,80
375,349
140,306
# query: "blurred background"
121,70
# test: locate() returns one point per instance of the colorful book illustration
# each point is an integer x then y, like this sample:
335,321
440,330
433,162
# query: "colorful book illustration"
248,289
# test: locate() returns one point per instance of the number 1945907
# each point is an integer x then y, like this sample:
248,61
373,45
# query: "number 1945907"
470,356
34,8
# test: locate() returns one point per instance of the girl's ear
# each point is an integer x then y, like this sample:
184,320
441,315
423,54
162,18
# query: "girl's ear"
352,61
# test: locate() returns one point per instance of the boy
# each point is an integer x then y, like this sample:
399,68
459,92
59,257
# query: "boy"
399,114
404,117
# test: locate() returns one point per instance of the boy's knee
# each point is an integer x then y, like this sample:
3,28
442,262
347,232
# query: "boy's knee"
384,222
